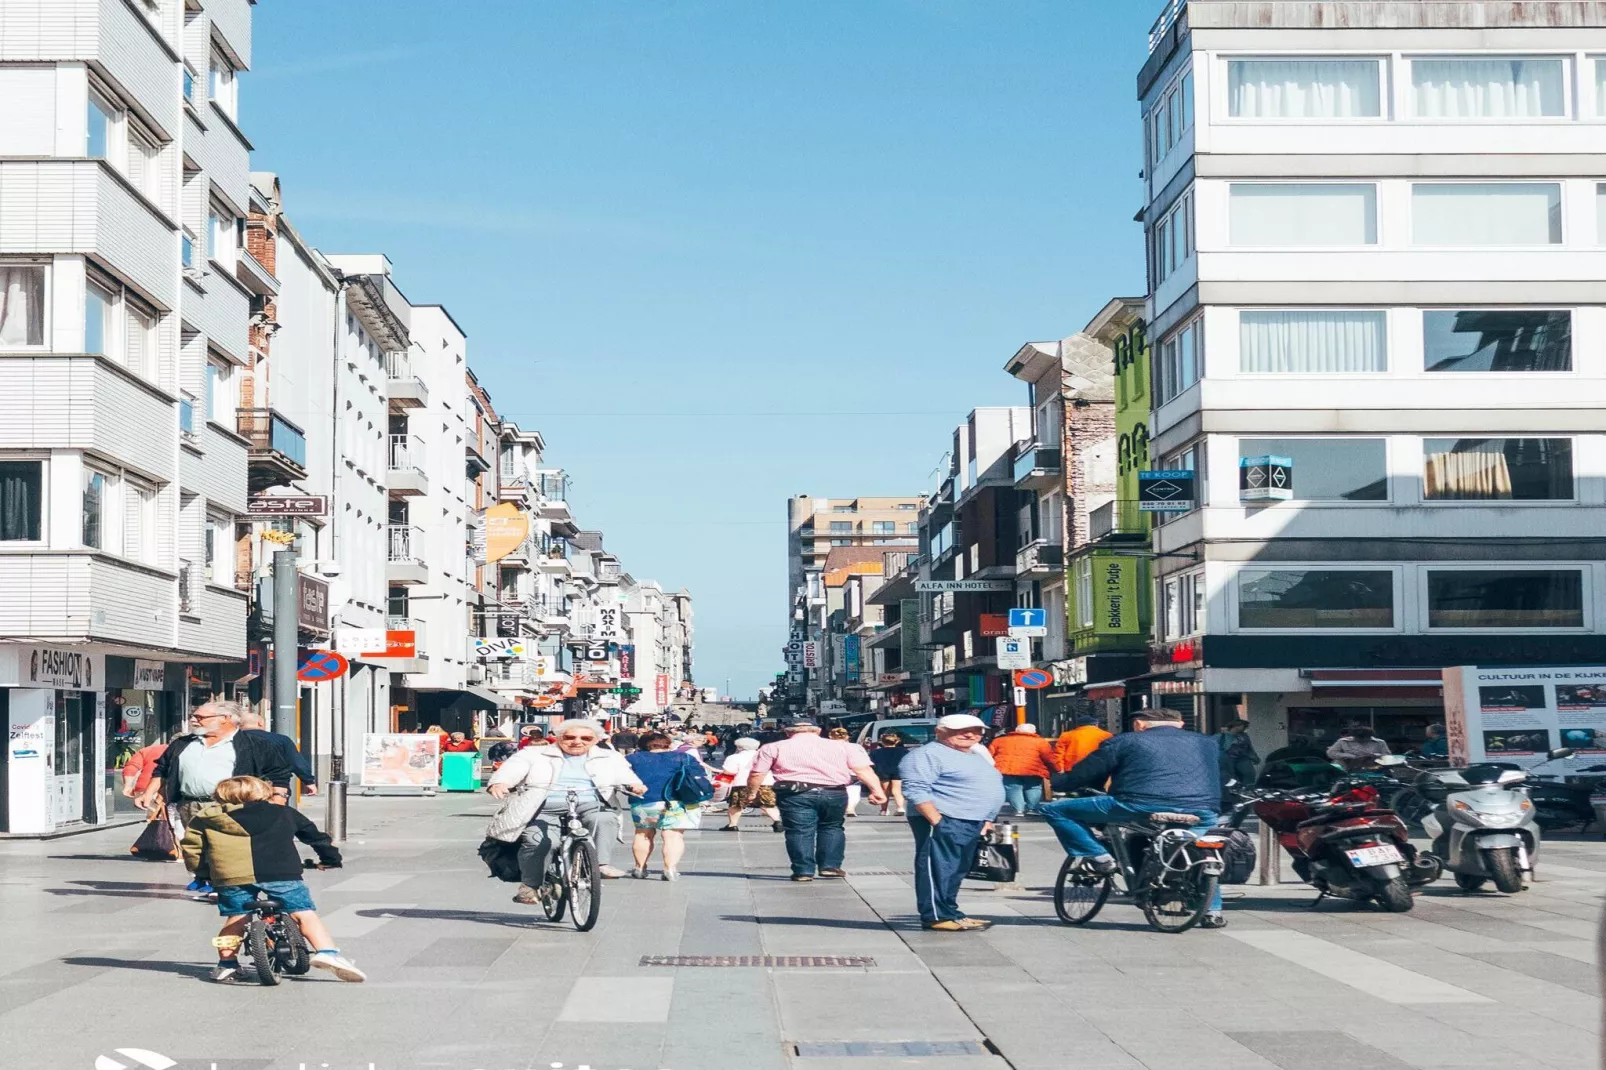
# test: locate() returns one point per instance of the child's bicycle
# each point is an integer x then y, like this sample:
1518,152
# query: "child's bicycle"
274,942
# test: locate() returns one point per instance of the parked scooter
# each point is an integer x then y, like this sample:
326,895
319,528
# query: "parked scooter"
1483,824
1345,843
1565,794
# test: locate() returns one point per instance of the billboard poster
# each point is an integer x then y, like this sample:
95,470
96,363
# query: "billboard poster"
401,760
851,657
909,633
1517,715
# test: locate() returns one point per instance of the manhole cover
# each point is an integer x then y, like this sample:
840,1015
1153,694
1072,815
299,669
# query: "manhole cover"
757,960
912,1049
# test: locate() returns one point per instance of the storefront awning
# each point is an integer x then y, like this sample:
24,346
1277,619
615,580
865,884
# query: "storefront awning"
1104,691
1375,683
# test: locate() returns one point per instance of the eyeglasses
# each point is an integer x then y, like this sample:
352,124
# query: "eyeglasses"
578,739
206,716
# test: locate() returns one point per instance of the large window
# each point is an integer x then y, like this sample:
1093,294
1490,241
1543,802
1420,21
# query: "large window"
1312,341
22,305
1299,214
1329,469
1182,602
97,490
843,526
1497,469
1315,598
1505,598
1180,360
1172,242
883,527
102,123
99,305
1488,87
1486,213
1303,89
1496,340
1171,117
21,496
139,521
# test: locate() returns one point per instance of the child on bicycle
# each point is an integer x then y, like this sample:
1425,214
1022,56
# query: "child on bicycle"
244,844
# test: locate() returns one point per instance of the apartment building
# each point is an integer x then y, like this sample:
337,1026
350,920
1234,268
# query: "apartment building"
123,328
1375,250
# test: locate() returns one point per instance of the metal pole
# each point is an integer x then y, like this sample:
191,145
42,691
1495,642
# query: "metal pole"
1271,866
285,654
335,820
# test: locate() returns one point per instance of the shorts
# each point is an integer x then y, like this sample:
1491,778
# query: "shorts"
665,815
742,798
237,899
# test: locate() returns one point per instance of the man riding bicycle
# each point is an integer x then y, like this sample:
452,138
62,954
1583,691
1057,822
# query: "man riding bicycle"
1160,767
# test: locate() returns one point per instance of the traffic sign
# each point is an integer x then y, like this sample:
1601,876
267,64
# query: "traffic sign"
1033,678
1028,623
1014,653
317,665
1020,696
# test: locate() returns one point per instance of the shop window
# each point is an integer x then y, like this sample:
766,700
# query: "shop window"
1315,598
1505,598
1497,469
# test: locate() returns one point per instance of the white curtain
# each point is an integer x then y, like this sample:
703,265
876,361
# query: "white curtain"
1486,213
1285,214
1303,89
1317,341
1488,88
22,305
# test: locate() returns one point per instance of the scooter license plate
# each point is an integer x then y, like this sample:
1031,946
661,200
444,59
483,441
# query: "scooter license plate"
1374,856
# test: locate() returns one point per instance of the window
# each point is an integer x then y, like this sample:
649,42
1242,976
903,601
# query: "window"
187,250
220,235
97,486
1329,469
1505,598
1170,117
220,391
883,527
841,508
1082,575
139,522
1486,213
99,304
1050,511
1181,360
841,542
22,305
1182,605
1494,340
21,495
1600,198
144,162
1303,89
1497,469
1289,214
906,505
217,546
189,84
221,85
1499,87
913,527
139,350
1315,598
1314,341
1173,239
102,120
843,526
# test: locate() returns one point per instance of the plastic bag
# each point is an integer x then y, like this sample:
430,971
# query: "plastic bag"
994,862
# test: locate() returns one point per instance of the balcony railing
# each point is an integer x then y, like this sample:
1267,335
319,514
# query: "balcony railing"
406,452
1115,519
1168,17
268,431
1039,556
1033,459
406,544
547,608
398,365
552,486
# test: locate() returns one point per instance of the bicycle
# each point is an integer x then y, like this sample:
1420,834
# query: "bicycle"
572,882
1170,871
273,940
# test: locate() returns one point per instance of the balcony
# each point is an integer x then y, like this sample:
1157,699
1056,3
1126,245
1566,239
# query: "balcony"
1036,467
509,675
405,389
510,489
1117,520
474,458
554,557
406,478
551,613
405,562
278,448
1039,559
609,570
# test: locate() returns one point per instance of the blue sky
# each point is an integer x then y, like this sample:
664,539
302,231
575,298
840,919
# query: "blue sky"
720,252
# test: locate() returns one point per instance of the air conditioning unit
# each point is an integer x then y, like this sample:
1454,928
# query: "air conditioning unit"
477,674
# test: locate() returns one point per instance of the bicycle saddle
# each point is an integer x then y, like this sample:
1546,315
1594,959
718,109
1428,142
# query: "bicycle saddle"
1164,818
269,906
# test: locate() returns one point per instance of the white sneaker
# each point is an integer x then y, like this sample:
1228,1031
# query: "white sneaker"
611,872
338,964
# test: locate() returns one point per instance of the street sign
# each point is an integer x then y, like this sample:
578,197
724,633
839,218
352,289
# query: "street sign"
1033,678
963,586
1014,652
287,505
1166,490
1028,623
318,665
1020,696
1265,479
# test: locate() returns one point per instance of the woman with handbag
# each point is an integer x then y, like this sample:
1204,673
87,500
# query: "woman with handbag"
677,786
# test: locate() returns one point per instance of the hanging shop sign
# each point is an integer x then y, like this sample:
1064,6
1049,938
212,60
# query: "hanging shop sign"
811,655
963,586
608,626
287,505
312,604
149,675
506,525
498,649
1115,595
1265,479
1166,490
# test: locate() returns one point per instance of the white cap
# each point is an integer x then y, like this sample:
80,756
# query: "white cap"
1026,729
960,720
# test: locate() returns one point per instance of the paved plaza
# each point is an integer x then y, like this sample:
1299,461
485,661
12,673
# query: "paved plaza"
104,953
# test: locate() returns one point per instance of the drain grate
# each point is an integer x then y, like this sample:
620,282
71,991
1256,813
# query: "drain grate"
881,873
912,1049
757,960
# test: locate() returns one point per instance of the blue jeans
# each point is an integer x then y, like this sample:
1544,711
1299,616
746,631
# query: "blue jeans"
944,853
1023,793
813,822
1065,817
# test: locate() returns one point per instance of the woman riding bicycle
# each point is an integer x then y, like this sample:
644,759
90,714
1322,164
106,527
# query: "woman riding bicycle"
537,781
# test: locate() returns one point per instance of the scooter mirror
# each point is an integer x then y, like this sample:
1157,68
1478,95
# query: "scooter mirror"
1561,752
1511,776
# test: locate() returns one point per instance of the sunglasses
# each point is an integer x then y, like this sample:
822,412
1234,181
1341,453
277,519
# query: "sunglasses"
578,739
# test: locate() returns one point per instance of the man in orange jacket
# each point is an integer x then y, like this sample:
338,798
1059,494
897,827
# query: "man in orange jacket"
1079,742
1025,759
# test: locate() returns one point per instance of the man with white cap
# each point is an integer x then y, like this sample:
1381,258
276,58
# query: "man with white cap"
953,794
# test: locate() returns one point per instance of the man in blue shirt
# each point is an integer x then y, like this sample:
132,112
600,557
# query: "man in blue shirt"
1159,767
953,793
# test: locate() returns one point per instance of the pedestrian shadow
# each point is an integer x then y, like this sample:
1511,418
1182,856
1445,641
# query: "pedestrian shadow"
822,923
125,856
182,969
478,917
783,875
125,890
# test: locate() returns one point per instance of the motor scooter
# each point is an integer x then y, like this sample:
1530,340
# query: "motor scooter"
1483,823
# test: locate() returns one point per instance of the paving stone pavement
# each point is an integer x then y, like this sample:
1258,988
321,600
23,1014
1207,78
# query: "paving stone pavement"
104,952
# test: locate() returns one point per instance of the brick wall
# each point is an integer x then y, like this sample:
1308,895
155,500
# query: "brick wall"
1089,427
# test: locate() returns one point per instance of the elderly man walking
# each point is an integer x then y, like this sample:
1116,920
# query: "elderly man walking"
954,792
812,775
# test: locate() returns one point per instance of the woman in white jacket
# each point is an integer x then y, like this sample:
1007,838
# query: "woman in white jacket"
536,783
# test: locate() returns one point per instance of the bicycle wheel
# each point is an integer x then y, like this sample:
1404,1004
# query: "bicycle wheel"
1079,893
585,885
1176,906
298,960
554,895
261,950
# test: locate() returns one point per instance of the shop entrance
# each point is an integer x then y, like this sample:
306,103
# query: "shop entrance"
1403,728
71,785
135,719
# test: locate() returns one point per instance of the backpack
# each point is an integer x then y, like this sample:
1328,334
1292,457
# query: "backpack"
688,786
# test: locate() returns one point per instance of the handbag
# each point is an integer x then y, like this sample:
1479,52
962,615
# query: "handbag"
502,859
1238,856
688,786
155,842
995,862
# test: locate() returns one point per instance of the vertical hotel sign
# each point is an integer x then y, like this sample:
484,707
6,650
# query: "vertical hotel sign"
1115,595
909,633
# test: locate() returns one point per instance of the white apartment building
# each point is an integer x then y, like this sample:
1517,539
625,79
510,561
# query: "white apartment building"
1376,253
123,325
